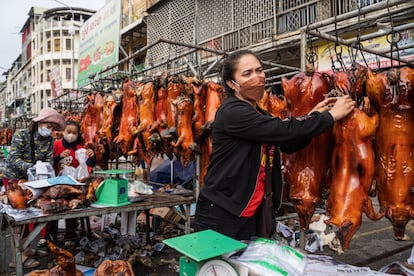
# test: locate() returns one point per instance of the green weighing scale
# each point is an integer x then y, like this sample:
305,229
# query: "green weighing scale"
114,190
201,250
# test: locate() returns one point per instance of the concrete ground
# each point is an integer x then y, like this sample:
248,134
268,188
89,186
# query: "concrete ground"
372,246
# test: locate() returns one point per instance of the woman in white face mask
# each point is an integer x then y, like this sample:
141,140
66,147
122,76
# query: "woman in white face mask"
64,155
28,146
64,149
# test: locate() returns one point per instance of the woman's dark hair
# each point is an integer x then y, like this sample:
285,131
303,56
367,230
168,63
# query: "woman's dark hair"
74,123
229,65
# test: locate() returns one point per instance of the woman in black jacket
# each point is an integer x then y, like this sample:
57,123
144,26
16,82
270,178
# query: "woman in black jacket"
243,135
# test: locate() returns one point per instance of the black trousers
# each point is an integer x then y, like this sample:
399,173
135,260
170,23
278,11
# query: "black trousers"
210,216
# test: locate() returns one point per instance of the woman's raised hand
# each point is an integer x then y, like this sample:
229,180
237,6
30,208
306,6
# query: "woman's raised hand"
342,107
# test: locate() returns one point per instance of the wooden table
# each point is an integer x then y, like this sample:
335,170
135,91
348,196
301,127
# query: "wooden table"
16,225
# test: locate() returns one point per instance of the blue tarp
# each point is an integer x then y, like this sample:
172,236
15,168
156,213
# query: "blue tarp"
182,176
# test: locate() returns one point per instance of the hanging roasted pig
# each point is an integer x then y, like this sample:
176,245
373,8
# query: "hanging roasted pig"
199,96
129,117
274,103
214,97
352,174
92,120
307,170
161,107
392,93
353,164
175,88
105,132
184,144
146,101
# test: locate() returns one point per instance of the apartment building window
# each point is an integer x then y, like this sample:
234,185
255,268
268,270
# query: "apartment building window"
67,73
68,44
49,46
56,45
41,77
48,75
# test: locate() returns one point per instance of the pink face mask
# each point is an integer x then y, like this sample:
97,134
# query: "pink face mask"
253,89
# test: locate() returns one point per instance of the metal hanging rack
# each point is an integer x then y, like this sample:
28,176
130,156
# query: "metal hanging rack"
365,15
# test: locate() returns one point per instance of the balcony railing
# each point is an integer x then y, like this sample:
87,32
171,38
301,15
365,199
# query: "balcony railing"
230,25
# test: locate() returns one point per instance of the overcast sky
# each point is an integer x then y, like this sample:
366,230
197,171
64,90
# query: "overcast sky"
13,14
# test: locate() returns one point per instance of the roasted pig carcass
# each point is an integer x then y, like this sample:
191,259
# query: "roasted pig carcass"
185,143
108,119
117,267
129,117
175,88
16,196
50,206
92,119
93,184
353,166
274,104
199,95
392,94
146,101
66,265
214,98
161,108
62,191
307,170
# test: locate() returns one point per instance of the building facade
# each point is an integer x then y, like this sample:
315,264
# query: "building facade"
47,67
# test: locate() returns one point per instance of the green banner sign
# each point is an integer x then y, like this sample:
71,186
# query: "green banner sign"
99,42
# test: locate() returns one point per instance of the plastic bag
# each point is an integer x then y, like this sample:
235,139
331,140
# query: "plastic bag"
68,170
81,171
268,257
41,170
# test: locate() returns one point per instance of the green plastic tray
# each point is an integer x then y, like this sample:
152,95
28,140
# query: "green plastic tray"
204,245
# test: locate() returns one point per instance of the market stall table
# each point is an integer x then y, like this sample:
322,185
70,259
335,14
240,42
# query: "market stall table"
17,222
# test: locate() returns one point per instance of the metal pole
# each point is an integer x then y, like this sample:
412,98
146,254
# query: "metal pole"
303,46
344,42
378,34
